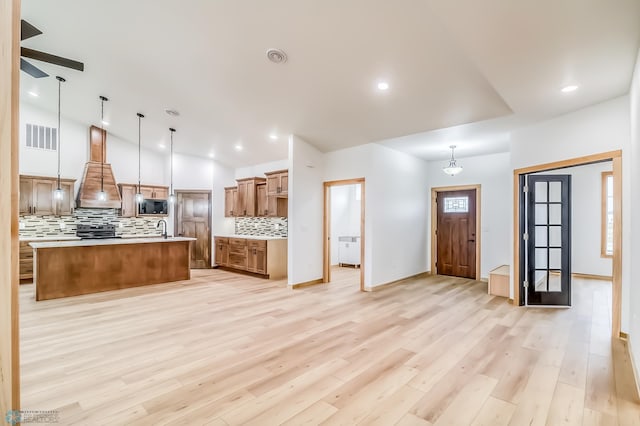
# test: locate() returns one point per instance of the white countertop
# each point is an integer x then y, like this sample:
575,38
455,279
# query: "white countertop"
252,237
107,242
50,238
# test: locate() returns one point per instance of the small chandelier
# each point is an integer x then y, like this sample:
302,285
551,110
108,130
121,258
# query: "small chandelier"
452,168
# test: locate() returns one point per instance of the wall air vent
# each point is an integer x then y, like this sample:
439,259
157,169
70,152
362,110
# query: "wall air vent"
41,137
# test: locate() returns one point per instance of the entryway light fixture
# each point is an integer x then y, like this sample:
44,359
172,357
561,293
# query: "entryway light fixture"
452,168
172,196
139,196
58,194
102,196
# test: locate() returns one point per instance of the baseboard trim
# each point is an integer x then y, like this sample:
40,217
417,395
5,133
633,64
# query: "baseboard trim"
636,376
307,283
396,282
592,276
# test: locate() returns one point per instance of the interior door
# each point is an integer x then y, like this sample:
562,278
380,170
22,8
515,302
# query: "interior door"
456,233
193,220
548,240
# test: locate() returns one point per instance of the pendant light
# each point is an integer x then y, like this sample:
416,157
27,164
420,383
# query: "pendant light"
452,168
172,196
58,194
102,195
139,196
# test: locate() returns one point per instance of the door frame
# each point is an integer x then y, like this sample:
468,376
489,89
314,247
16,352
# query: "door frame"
326,227
175,216
434,222
616,158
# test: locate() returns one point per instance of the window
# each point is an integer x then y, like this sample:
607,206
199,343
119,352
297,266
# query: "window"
456,204
607,215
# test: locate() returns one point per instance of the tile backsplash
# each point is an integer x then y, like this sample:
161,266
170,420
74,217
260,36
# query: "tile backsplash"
48,226
262,226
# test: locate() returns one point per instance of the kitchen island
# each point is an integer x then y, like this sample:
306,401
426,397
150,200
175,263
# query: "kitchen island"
72,268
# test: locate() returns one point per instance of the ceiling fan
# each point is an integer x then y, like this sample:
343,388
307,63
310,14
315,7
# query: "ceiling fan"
28,31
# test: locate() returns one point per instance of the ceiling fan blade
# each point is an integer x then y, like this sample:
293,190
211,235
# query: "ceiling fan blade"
32,70
28,30
52,59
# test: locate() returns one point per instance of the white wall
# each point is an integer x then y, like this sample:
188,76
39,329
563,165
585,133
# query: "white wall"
306,169
345,215
586,216
493,173
260,169
634,228
592,130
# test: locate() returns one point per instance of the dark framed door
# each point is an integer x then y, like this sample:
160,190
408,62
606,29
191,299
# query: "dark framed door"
456,233
548,240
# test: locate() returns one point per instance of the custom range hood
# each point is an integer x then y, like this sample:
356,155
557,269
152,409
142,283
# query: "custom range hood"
98,175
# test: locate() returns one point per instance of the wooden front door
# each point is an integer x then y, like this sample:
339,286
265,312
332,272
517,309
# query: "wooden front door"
193,220
456,233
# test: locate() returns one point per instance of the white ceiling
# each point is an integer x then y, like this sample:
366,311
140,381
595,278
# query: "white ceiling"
447,63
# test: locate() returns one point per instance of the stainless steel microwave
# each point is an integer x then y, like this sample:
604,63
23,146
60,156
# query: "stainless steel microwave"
153,207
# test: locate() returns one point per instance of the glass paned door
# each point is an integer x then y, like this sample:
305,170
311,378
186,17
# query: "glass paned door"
549,240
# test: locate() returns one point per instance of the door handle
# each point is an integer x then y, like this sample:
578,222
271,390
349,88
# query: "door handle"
472,241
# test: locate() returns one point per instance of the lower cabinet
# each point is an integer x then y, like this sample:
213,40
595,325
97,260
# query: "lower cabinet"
264,257
26,261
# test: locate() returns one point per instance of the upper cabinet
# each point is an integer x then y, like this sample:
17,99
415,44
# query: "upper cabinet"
230,196
278,183
37,196
258,197
246,202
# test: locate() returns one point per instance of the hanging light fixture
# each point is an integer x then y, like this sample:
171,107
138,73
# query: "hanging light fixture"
102,195
452,168
58,194
139,196
172,196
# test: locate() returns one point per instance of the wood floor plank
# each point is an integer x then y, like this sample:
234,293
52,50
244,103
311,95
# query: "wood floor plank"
494,412
567,406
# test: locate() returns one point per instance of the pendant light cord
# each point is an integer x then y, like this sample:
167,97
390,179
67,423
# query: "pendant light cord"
140,117
172,130
60,80
102,98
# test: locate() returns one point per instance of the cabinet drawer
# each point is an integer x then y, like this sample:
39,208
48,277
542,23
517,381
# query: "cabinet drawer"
223,240
240,242
258,244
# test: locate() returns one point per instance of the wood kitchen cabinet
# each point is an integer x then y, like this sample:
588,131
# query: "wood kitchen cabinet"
26,257
37,196
278,183
221,257
257,256
266,257
237,253
230,196
246,202
128,193
262,207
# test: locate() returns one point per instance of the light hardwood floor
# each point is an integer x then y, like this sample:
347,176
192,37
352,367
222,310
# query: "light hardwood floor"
225,348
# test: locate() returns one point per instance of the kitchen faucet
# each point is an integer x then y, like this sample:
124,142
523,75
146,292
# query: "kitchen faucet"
164,228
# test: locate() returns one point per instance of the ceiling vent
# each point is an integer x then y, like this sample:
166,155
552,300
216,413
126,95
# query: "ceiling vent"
277,56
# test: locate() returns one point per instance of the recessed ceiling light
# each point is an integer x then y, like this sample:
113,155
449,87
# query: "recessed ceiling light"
212,155
34,94
105,122
238,147
570,88
273,137
172,112
383,85
162,146
277,56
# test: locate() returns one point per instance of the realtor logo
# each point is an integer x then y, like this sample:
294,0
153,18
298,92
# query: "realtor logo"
13,417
